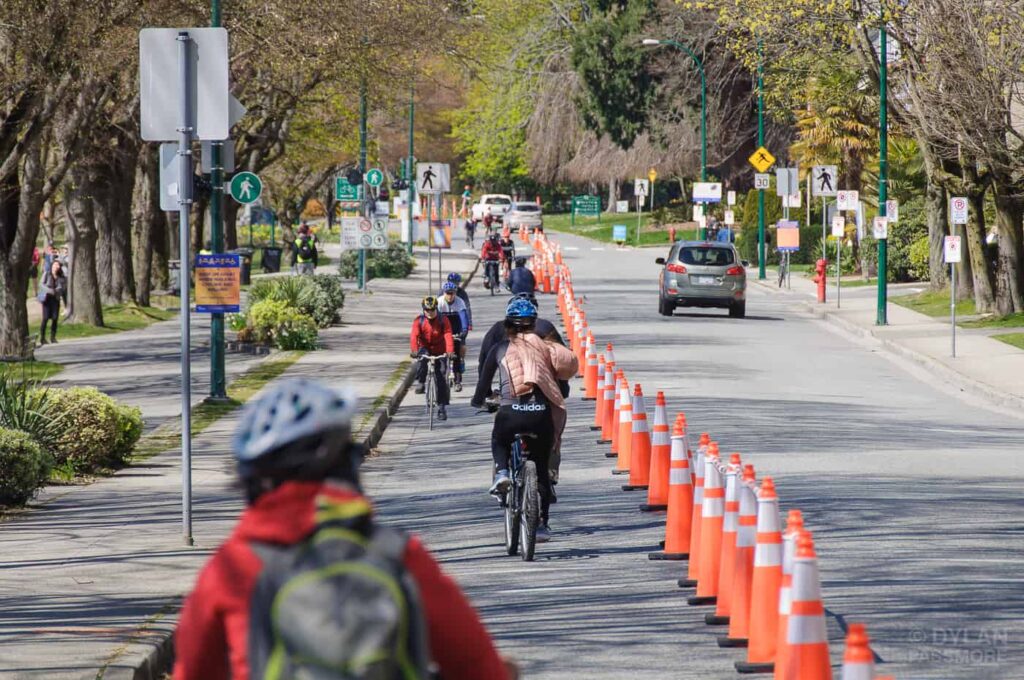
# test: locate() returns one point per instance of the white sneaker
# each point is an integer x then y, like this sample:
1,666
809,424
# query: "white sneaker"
502,483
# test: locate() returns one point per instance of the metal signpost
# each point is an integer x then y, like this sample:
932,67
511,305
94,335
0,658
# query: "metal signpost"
787,183
652,175
183,95
787,236
839,232
958,214
641,189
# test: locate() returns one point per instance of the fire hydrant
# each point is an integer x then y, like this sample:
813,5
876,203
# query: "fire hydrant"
821,278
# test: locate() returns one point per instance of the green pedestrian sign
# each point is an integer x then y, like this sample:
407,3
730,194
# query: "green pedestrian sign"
343,191
374,177
246,187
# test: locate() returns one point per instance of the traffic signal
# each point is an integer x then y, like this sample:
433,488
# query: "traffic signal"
354,177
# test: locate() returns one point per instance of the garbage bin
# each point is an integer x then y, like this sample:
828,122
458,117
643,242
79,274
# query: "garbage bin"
272,259
246,268
174,276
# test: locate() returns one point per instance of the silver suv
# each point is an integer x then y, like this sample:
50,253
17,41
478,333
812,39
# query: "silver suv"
702,274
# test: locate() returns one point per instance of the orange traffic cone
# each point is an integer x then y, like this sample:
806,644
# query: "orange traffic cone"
610,400
620,377
581,349
858,661
590,375
598,393
764,589
680,499
806,651
723,606
697,466
794,527
625,430
712,518
661,454
640,446
743,572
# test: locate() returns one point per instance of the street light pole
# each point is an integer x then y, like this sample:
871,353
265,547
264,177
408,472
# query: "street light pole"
362,176
650,42
883,168
760,143
218,382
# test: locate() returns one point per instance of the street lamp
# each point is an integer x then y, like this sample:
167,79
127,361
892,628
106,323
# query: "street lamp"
654,42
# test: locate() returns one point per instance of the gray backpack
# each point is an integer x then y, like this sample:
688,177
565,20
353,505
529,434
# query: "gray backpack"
338,605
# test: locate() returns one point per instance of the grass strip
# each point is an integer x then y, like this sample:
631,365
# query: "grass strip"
116,319
205,414
31,370
933,303
1009,321
385,394
601,229
1015,339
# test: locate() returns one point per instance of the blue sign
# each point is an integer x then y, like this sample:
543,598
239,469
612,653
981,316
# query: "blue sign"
218,283
619,232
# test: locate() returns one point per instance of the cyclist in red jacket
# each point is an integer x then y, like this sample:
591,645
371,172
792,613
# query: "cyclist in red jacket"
432,335
299,468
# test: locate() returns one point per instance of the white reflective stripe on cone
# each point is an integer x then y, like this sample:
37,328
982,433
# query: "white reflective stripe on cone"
731,516
680,475
746,534
858,671
806,630
678,449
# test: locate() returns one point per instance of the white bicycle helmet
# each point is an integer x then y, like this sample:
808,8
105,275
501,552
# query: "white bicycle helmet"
289,411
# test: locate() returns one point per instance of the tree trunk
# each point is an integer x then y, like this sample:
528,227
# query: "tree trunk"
964,268
230,213
113,213
82,239
613,193
172,240
162,234
198,217
1010,267
984,295
144,215
935,204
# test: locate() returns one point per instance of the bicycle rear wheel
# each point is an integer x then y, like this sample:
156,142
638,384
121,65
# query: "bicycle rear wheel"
530,510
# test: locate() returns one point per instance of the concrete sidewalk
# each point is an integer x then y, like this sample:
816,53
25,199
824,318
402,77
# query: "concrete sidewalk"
984,367
92,577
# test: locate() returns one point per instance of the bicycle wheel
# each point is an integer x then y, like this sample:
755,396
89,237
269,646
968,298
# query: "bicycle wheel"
431,398
512,525
530,510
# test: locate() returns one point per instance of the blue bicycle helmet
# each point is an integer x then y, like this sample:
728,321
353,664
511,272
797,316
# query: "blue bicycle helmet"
449,287
455,278
520,312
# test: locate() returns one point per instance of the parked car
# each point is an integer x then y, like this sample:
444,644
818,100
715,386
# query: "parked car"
702,274
527,214
494,204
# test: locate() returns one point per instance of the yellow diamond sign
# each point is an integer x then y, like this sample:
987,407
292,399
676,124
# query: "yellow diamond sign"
762,159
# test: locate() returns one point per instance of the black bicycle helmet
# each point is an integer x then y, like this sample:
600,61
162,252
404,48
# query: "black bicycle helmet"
429,303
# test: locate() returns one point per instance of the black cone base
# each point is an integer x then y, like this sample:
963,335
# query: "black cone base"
701,601
595,428
748,668
611,455
617,471
671,557
634,487
647,507
714,620
687,583
732,642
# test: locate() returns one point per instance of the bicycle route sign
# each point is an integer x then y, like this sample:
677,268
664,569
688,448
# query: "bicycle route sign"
344,191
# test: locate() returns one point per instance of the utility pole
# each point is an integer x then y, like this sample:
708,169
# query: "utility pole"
218,382
410,165
760,143
883,168
362,176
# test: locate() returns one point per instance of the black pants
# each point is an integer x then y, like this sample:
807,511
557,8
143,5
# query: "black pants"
489,267
440,378
507,423
51,311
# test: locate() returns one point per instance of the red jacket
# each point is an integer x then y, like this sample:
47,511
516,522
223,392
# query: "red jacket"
434,336
492,251
211,640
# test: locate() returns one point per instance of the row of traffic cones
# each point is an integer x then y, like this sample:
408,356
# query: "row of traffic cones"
763,582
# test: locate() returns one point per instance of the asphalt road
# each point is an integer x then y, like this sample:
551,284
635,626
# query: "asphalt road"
912,492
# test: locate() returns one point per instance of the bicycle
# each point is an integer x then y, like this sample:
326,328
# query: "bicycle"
783,268
491,275
431,385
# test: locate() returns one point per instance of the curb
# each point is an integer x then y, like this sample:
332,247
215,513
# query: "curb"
938,369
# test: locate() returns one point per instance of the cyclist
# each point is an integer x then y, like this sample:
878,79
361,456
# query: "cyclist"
529,368
492,254
463,294
521,279
432,335
508,249
453,309
299,469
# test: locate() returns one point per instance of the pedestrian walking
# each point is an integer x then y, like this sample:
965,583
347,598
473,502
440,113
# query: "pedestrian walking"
65,262
306,254
52,289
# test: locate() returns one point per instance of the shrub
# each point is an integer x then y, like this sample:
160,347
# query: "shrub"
30,409
391,263
319,297
919,255
330,299
129,429
89,429
276,323
24,467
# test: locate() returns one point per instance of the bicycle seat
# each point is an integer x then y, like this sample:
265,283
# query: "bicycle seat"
524,435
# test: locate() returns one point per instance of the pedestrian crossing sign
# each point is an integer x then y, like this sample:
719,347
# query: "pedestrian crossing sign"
762,159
